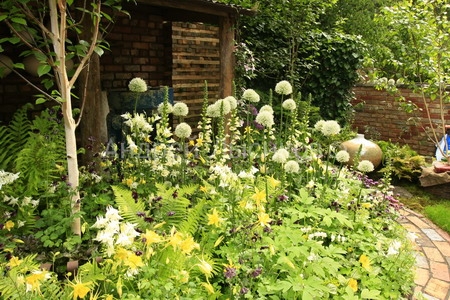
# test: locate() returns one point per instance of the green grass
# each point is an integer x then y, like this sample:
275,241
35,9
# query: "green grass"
439,214
433,207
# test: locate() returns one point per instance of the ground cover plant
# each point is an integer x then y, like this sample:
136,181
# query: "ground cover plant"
250,207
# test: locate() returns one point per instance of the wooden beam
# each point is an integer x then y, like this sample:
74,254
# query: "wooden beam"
226,37
205,7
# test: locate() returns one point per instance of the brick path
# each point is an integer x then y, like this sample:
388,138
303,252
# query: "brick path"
432,257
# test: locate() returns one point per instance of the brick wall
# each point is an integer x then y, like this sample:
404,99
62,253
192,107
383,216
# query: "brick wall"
381,117
196,59
181,55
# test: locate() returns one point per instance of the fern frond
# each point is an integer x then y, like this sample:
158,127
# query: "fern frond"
191,224
14,136
128,207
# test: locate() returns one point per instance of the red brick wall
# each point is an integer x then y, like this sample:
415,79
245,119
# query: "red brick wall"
381,117
180,55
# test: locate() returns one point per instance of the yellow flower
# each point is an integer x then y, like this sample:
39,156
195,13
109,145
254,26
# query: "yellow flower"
175,238
14,262
9,225
259,197
365,262
353,284
248,129
199,141
264,219
133,261
204,189
122,254
208,287
151,237
80,290
129,182
109,297
366,205
33,281
214,218
191,142
273,183
188,244
205,267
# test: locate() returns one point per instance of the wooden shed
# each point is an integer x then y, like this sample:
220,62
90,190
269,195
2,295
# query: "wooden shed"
175,43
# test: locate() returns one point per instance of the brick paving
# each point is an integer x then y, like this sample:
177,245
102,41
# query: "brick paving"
432,257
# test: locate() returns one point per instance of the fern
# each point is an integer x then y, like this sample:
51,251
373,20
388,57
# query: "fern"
42,152
191,224
129,208
174,204
14,136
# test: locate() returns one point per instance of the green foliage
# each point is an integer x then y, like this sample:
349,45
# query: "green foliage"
288,41
13,137
42,158
401,161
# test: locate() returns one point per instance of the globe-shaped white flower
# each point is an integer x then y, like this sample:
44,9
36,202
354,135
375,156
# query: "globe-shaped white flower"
291,166
265,118
180,109
250,95
330,128
232,101
319,124
223,106
266,108
342,156
213,111
169,108
280,156
137,85
283,88
183,130
365,166
289,104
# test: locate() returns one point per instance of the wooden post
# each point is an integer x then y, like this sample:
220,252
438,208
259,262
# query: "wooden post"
226,35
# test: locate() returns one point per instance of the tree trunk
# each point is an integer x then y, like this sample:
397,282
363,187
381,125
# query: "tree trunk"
93,123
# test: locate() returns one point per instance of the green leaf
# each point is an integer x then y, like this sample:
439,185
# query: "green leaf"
43,69
41,100
370,294
19,21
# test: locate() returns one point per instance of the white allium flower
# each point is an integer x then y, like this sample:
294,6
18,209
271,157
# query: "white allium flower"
319,124
180,109
391,82
280,156
283,88
250,95
137,85
223,106
330,128
169,108
289,104
183,130
342,156
365,166
266,108
291,167
265,118
232,101
212,111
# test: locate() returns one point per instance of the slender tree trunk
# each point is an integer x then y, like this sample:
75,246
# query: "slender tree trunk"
58,23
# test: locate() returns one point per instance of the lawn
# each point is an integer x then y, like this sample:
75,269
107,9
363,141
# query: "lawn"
437,209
